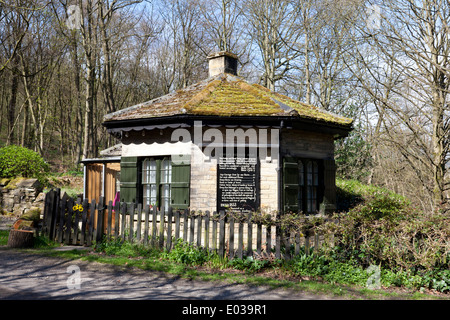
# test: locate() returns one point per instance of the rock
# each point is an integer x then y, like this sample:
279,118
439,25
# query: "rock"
40,197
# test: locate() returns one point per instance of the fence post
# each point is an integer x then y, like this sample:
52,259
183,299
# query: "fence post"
62,211
131,208
214,232
258,237
185,225
221,234
139,221
177,225
109,221
123,220
100,211
154,214
169,229
278,237
116,220
207,216
69,221
199,229
161,228
146,224
191,227
249,235
240,239
231,242
91,223
84,222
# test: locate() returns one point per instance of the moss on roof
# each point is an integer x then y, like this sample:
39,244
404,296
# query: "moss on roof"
226,95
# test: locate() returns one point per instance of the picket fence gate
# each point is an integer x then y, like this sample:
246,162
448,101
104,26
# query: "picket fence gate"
81,222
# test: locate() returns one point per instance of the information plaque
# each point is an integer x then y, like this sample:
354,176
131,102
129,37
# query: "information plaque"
238,184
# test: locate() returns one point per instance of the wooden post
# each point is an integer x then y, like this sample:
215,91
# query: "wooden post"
161,228
109,222
123,219
84,221
214,232
207,216
68,221
62,211
131,207
199,230
297,243
231,242
154,214
249,235
91,223
177,225
116,220
146,223
278,238
221,234
185,225
287,245
269,239
307,243
258,238
100,215
191,228
169,229
139,220
241,240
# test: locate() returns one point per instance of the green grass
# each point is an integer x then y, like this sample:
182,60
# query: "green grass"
277,275
4,237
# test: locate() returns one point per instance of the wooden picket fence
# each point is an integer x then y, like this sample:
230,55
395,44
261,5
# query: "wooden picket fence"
81,222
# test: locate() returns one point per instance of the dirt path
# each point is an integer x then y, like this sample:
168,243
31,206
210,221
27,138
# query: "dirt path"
30,277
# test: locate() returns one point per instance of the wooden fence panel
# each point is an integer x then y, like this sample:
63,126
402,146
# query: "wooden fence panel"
80,223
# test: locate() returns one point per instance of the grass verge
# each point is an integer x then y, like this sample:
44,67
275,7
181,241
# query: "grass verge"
214,269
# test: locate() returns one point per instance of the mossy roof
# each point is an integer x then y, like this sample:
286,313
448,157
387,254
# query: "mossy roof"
226,95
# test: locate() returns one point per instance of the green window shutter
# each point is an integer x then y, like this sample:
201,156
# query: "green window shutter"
181,176
290,184
128,179
329,181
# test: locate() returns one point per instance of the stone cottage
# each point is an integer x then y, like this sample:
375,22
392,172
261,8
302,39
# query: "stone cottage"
224,143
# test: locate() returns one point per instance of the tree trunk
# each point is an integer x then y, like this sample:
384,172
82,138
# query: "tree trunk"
20,239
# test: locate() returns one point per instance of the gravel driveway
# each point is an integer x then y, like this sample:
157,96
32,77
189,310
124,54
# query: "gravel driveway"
28,276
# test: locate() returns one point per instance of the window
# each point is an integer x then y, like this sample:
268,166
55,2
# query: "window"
156,180
303,186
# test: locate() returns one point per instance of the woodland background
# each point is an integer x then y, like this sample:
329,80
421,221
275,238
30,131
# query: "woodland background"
385,64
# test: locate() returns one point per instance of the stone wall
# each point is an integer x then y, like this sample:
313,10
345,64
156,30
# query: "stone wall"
20,195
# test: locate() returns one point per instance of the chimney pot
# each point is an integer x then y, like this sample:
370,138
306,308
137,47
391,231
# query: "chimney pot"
222,62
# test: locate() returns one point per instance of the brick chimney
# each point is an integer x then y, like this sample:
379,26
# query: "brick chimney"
222,62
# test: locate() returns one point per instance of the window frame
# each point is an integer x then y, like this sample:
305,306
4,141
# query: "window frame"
159,183
305,190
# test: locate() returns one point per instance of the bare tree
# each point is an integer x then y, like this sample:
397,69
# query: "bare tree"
409,84
273,29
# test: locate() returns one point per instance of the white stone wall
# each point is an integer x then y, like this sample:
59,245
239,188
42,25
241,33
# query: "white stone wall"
203,192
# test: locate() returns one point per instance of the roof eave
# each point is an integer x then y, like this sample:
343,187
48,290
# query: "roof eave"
339,130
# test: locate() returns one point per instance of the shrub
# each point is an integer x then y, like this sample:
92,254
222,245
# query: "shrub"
187,254
19,161
248,264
